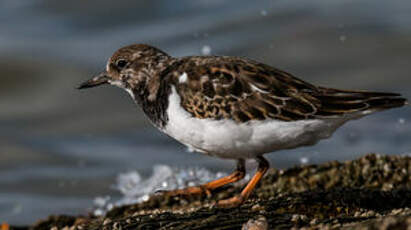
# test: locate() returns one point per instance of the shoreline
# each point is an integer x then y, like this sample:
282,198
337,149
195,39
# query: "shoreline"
372,192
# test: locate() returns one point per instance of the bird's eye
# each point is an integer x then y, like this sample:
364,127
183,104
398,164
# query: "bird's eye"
121,63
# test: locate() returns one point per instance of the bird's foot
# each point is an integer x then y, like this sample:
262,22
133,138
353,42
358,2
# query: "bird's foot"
189,191
232,202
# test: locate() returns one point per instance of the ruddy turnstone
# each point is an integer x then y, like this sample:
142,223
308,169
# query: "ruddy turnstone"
232,107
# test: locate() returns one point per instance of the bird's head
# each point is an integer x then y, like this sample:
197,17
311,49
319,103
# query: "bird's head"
133,67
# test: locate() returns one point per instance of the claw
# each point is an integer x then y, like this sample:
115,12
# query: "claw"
206,191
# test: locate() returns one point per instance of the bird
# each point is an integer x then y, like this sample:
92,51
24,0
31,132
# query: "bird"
233,107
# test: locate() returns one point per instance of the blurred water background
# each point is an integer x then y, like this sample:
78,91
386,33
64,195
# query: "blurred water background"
60,148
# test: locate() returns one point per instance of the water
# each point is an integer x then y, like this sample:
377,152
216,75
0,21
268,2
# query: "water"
134,189
61,148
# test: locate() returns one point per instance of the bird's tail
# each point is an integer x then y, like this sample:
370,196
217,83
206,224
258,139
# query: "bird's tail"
335,101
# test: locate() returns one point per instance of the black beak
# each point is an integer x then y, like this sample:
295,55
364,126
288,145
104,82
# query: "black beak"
100,79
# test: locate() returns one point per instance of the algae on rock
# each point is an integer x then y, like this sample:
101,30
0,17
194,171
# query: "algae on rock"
372,192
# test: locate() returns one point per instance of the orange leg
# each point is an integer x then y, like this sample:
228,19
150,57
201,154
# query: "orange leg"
237,175
5,226
263,166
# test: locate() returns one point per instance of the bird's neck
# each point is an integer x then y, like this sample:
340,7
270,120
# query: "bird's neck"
153,95
154,108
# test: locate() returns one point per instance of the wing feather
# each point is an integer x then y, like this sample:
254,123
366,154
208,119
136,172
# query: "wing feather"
244,90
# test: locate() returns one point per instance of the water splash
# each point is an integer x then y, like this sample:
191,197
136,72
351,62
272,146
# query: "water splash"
135,189
304,160
206,50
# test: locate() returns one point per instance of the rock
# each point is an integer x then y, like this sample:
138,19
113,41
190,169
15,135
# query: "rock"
256,224
373,192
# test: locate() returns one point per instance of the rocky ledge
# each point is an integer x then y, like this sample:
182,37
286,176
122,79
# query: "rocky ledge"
372,192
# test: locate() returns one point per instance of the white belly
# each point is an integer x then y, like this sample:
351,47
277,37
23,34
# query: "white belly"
228,139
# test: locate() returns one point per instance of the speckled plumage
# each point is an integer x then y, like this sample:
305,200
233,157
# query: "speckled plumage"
221,87
244,90
233,107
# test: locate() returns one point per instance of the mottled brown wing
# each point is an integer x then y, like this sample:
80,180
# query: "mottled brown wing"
244,90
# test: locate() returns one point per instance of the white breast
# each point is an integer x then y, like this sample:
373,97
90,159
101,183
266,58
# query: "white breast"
228,139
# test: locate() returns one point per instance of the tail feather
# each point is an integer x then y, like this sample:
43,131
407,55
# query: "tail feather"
337,102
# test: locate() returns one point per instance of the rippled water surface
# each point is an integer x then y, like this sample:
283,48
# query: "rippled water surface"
60,148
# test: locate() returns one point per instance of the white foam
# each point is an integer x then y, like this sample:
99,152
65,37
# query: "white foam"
135,189
206,50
